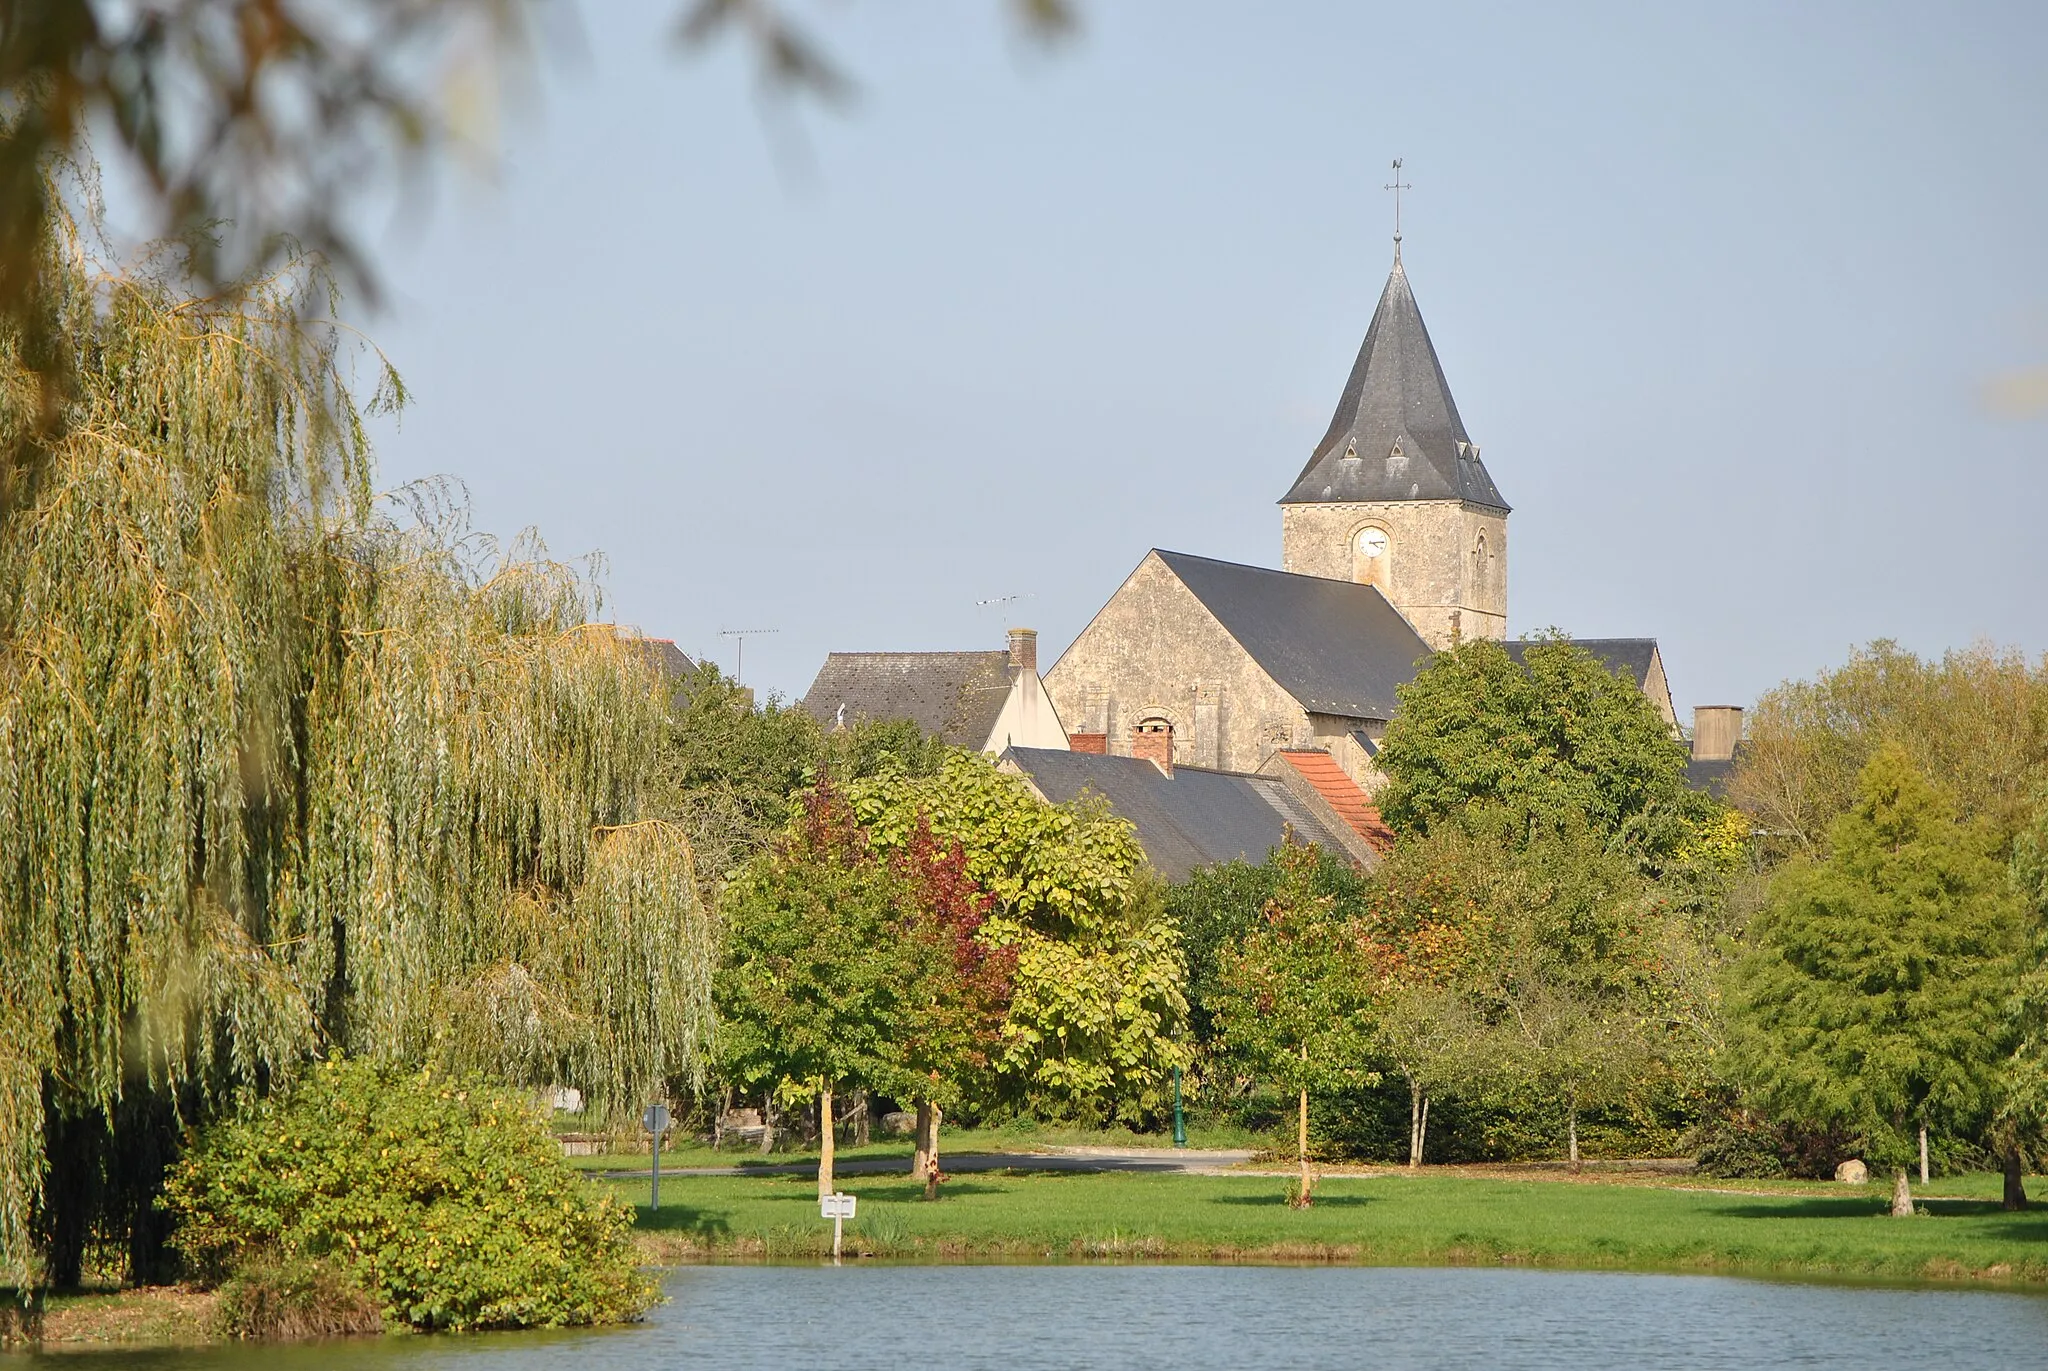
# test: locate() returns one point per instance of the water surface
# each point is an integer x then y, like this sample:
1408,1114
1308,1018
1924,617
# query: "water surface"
1188,1318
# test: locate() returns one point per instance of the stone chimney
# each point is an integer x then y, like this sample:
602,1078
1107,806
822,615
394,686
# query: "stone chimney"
1716,729
1024,650
1152,739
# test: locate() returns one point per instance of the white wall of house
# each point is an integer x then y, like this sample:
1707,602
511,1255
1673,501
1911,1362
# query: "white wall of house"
1028,718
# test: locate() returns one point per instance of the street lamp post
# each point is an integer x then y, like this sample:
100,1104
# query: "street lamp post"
1180,1125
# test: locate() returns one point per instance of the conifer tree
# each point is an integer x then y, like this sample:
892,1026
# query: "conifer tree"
1874,994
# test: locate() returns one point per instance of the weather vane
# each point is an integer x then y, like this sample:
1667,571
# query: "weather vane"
1397,185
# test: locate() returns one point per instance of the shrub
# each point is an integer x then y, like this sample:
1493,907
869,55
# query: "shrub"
1740,1146
443,1198
296,1299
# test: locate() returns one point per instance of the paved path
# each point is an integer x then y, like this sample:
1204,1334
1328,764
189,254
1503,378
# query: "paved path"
1182,1161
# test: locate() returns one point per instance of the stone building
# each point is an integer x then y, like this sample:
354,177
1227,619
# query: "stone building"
1196,662
1394,543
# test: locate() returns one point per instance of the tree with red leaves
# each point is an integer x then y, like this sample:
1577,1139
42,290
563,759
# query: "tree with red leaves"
955,1010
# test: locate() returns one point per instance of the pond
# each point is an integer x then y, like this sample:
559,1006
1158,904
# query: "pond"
1020,1318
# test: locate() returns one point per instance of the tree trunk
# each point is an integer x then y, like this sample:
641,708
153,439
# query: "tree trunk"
767,1121
1414,1123
1923,1154
1571,1128
1902,1197
921,1148
933,1175
1307,1194
825,1140
2015,1188
1422,1133
860,1118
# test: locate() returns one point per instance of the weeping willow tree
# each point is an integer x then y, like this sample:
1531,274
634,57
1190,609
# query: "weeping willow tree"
289,770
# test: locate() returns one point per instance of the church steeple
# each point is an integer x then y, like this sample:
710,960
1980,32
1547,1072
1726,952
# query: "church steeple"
1396,434
1395,495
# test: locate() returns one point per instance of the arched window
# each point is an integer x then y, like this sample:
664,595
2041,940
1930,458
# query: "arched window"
1479,562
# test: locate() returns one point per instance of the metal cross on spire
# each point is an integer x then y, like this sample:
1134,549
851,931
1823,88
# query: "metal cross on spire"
1397,185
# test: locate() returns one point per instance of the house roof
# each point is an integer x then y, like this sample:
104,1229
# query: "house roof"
1342,794
1190,818
1337,647
663,653
1710,776
954,696
1632,655
1396,434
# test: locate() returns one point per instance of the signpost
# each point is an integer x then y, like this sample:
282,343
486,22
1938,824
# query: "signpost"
655,1121
838,1208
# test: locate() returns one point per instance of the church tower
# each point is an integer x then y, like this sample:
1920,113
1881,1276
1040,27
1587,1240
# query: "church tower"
1395,495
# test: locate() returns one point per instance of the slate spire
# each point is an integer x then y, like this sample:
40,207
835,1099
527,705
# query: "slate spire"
1396,434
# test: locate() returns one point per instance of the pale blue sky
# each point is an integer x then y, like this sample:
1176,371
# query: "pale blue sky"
1717,287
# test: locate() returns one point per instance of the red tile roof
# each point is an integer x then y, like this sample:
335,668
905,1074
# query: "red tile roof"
1320,769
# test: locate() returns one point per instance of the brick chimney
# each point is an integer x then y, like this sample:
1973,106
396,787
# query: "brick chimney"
1152,739
1716,729
1024,650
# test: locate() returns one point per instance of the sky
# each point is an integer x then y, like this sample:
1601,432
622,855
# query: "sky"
1724,292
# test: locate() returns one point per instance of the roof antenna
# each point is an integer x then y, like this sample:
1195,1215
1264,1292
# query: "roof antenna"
1397,185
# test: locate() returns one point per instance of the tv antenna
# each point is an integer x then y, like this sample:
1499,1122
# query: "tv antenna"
740,636
1002,601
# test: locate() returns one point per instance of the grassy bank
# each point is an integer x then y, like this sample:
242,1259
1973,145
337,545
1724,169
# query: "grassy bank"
1384,1218
156,1316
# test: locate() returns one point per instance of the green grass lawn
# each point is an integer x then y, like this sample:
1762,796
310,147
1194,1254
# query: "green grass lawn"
1388,1218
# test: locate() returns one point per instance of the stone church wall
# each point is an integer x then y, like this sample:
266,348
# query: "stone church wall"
1434,572
1155,651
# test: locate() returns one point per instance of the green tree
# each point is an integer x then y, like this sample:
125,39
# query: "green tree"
1097,996
2021,1120
1565,976
1874,992
283,771
733,766
1217,905
1552,737
1423,908
817,977
1294,997
1974,724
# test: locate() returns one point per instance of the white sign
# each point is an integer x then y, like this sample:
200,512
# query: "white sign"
835,1206
655,1120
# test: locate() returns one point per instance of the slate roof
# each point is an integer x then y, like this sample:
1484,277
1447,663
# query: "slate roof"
1632,655
1712,777
955,696
1192,818
1396,434
672,660
1337,647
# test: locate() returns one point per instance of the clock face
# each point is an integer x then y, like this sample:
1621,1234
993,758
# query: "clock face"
1372,542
